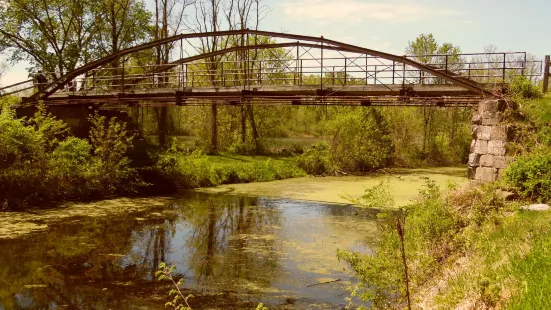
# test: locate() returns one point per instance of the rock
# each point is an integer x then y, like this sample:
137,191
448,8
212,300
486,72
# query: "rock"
484,132
477,119
536,207
489,118
474,160
474,131
471,173
500,162
486,174
491,106
481,147
496,148
487,161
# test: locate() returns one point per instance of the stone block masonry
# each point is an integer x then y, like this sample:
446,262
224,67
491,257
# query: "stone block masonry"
488,157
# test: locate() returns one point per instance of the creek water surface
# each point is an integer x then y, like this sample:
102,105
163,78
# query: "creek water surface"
233,251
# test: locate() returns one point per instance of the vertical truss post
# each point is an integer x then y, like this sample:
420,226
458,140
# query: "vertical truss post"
366,69
185,76
345,71
546,73
222,73
333,78
504,66
296,68
122,76
247,65
300,75
321,73
260,73
469,71
420,77
375,77
393,70
403,75
94,79
523,65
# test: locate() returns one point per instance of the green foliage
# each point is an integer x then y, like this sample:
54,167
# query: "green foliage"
37,154
7,101
522,88
191,169
316,160
178,300
434,228
531,272
111,142
530,175
361,141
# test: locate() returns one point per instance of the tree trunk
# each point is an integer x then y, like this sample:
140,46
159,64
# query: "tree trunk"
214,127
253,127
243,125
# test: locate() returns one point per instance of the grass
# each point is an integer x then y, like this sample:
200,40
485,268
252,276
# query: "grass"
507,264
187,170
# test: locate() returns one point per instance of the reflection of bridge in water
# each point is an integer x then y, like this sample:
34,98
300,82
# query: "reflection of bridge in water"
258,67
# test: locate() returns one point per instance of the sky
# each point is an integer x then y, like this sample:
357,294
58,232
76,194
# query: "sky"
388,25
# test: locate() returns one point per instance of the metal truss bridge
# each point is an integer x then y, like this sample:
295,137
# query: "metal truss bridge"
259,67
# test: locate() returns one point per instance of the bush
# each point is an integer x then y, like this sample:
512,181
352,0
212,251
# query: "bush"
40,163
361,141
434,229
530,175
186,169
523,88
316,161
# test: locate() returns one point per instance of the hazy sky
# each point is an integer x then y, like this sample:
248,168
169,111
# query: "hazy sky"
511,25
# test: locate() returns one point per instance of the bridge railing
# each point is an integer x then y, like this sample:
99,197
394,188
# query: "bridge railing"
19,89
485,68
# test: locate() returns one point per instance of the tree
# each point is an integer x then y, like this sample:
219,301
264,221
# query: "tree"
52,35
169,15
427,50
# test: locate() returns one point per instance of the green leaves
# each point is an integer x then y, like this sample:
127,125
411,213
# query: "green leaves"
178,302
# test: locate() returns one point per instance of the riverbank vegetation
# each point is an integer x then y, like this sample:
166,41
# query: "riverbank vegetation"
468,247
40,162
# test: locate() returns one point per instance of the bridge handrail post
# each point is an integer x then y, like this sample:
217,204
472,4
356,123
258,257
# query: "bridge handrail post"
366,69
321,69
260,73
504,67
345,61
222,73
546,64
122,77
393,70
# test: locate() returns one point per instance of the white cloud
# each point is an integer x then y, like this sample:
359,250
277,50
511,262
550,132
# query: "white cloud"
358,10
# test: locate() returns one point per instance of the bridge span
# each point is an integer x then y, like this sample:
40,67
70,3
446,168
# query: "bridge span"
260,67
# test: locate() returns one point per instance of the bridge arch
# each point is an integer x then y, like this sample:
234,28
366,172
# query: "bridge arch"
301,41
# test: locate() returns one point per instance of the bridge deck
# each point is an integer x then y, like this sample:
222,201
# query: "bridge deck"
283,94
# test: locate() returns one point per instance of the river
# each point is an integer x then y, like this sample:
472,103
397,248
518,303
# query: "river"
233,249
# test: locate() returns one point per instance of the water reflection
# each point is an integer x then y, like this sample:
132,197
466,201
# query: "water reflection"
258,249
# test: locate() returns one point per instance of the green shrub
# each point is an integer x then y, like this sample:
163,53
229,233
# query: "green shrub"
40,163
523,88
186,169
316,160
361,141
434,229
530,175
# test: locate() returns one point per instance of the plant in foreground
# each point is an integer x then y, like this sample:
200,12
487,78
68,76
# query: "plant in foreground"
179,302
